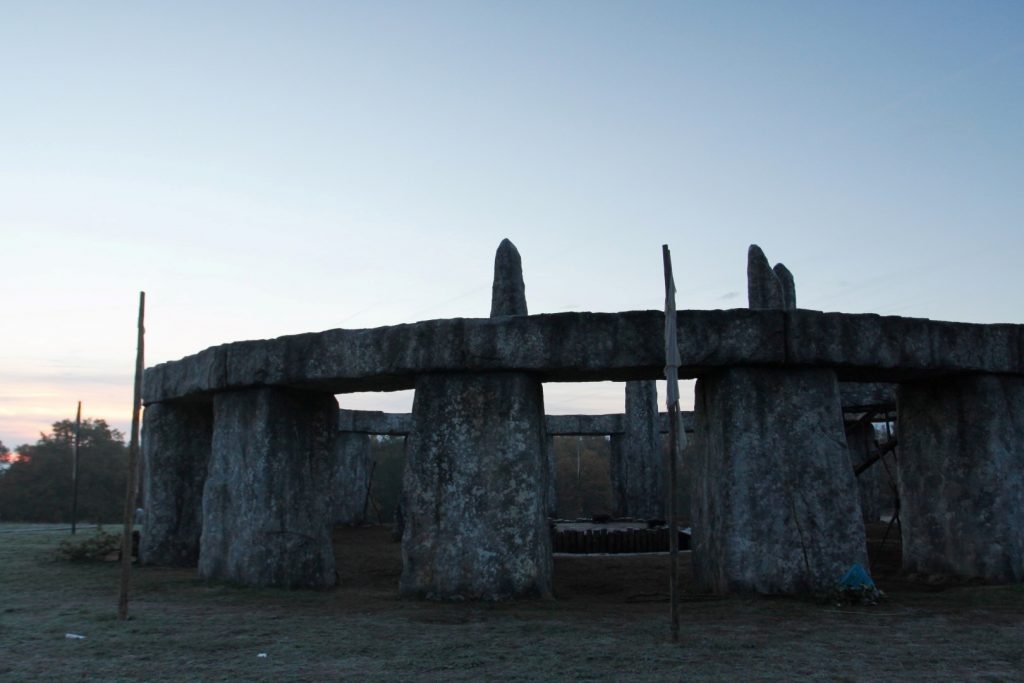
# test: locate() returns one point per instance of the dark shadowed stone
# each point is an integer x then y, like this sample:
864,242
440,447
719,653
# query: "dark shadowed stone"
638,471
775,506
374,422
860,397
552,492
266,505
475,489
764,292
961,474
617,473
176,440
786,285
860,438
508,293
351,477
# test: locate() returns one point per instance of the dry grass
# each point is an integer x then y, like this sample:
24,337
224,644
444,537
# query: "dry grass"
608,623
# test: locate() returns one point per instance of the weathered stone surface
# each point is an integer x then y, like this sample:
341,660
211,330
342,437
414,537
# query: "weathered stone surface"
400,424
868,347
638,469
583,425
860,439
568,347
351,477
863,396
764,292
558,347
176,439
475,489
374,422
549,449
267,500
787,286
961,477
508,293
774,503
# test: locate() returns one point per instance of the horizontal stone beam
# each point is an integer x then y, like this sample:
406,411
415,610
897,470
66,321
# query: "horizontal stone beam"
583,425
374,422
861,397
580,347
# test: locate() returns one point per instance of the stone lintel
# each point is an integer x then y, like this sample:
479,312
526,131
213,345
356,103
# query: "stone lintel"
569,347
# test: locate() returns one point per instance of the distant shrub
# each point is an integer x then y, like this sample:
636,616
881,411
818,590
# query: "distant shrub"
95,548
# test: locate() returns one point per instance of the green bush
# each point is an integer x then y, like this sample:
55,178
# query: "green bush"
95,548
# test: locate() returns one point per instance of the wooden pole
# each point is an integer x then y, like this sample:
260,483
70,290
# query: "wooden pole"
676,436
74,468
133,457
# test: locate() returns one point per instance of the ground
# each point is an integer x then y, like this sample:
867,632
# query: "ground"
609,621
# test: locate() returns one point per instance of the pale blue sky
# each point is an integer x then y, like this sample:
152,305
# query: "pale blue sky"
273,168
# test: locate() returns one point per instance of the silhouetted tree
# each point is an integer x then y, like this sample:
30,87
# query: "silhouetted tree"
37,485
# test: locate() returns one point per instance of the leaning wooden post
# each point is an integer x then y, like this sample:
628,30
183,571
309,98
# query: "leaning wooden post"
133,457
74,468
677,437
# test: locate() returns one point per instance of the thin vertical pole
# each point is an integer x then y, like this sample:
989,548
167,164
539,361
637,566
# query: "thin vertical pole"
133,457
676,435
74,468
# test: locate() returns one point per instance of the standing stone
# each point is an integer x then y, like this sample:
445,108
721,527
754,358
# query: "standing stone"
638,468
267,501
351,477
618,475
176,441
775,507
961,476
763,288
508,292
476,486
476,489
787,286
860,438
552,492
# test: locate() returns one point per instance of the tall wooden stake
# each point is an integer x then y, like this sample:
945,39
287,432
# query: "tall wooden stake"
133,458
74,468
677,437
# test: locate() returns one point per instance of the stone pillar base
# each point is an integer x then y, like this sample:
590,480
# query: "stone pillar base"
475,489
176,450
266,504
775,502
351,477
961,477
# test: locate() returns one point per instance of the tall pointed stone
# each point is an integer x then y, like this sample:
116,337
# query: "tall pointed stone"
508,293
786,285
763,288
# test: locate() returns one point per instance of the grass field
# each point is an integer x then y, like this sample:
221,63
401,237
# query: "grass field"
609,622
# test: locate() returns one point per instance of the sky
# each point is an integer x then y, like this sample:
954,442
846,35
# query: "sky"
263,169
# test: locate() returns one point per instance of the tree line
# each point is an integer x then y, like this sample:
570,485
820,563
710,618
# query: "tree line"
36,486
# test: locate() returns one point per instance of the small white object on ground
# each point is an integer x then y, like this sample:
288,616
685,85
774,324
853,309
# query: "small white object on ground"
74,636
262,654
